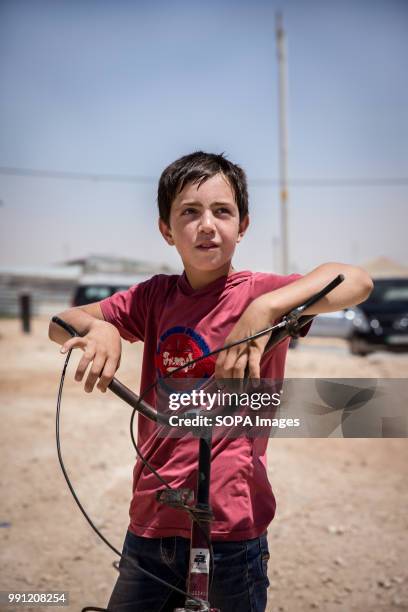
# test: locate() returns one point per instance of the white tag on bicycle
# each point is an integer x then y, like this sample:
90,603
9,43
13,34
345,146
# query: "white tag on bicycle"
200,561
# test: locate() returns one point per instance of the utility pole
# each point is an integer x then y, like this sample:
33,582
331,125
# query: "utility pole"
283,142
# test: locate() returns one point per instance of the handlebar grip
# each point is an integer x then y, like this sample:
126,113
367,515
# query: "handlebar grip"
318,296
281,334
68,328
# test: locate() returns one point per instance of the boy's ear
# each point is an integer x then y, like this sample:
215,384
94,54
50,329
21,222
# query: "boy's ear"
166,232
243,226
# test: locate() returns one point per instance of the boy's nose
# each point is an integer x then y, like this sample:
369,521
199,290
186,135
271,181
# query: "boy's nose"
207,223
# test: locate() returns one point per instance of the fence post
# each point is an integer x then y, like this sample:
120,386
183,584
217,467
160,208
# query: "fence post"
25,312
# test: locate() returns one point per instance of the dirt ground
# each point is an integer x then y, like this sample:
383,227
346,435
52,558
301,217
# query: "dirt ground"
338,542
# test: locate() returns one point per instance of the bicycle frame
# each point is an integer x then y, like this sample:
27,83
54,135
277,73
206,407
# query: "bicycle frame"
199,565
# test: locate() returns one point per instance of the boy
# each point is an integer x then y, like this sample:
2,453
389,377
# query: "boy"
203,210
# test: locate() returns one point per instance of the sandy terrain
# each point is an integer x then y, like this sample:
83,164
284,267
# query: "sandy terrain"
338,543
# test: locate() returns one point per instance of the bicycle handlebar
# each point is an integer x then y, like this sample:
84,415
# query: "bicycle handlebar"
290,325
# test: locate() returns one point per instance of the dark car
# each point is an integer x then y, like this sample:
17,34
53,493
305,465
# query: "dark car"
96,288
381,322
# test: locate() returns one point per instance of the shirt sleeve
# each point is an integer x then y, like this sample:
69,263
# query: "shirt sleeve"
127,311
264,283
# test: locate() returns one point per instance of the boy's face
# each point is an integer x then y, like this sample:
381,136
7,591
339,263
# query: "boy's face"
205,226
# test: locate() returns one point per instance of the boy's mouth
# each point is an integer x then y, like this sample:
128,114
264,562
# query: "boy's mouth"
207,246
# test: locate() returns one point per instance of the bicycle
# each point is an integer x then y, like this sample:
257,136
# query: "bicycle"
200,565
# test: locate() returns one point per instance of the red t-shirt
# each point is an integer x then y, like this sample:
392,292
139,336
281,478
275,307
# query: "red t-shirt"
177,324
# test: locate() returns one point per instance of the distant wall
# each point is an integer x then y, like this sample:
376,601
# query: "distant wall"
48,296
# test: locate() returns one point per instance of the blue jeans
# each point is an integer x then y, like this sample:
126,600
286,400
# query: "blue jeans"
239,583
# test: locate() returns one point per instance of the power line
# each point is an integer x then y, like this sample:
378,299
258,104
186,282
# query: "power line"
337,182
77,176
260,182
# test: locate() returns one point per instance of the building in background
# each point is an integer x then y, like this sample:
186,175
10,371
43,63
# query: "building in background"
52,288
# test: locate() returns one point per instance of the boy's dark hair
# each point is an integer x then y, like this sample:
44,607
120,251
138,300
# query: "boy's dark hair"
197,168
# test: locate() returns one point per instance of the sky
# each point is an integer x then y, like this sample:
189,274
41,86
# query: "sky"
97,97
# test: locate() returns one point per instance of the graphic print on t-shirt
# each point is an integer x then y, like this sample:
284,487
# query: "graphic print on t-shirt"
179,345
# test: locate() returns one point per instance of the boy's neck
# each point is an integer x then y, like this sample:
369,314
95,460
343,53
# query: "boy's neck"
199,279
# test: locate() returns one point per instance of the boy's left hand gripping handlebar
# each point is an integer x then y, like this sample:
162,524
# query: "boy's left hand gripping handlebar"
120,389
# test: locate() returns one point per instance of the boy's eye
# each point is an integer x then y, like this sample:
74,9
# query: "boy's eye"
188,211
223,210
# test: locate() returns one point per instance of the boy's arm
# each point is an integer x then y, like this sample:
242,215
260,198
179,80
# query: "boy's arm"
270,307
355,288
99,340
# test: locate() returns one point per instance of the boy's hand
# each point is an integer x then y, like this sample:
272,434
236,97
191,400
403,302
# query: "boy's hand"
232,362
101,345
